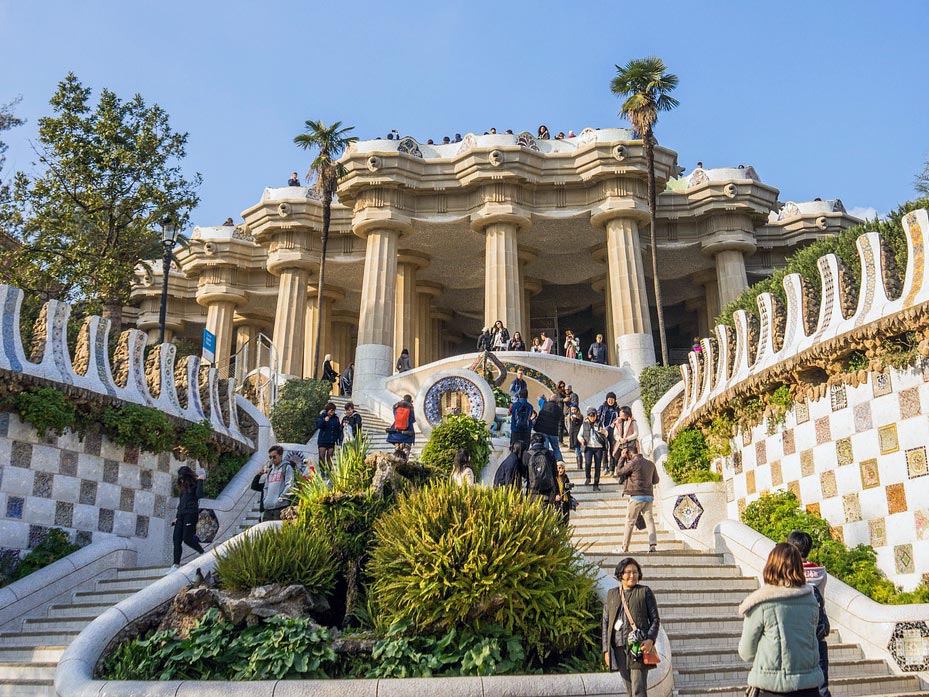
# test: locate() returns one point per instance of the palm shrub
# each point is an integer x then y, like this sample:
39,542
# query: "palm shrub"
457,431
287,554
297,408
470,557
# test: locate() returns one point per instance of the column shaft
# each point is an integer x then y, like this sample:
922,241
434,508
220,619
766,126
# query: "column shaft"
374,355
423,342
632,327
245,336
730,275
219,321
324,336
503,296
406,310
290,321
609,335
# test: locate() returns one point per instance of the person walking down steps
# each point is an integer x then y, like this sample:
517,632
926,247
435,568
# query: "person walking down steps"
190,485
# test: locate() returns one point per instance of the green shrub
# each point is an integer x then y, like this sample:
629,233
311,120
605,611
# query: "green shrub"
288,554
222,473
45,409
688,459
469,557
197,441
655,381
297,408
54,546
138,426
455,432
781,402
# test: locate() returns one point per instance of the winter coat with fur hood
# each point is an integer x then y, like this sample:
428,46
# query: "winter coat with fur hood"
779,637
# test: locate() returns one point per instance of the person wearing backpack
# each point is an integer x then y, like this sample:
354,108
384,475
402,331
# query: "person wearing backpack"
815,576
549,422
521,417
400,432
540,469
592,439
511,471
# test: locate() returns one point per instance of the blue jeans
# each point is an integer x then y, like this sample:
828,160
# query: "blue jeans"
554,445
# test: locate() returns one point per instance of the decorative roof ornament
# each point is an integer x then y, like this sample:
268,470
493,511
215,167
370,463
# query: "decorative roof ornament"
242,233
410,147
468,142
788,211
587,136
527,140
698,177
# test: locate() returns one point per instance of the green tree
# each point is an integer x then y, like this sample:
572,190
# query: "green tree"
109,174
7,121
646,88
921,185
330,142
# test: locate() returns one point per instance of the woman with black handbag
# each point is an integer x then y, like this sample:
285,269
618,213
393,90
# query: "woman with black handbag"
630,628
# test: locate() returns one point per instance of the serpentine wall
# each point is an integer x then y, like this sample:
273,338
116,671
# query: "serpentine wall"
853,443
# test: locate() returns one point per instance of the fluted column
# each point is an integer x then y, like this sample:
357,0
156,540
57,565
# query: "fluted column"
730,274
730,236
503,296
423,352
219,295
531,288
602,287
245,335
407,312
628,311
710,309
439,339
330,296
219,321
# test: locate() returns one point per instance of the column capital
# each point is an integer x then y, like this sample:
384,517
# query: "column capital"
533,285
502,212
284,259
210,293
616,207
429,288
702,278
411,256
599,284
527,255
368,219
729,241
440,313
330,293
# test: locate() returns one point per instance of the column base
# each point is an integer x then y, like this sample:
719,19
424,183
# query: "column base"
635,351
373,363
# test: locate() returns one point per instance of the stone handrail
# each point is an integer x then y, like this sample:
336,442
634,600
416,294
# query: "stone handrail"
734,361
859,618
188,391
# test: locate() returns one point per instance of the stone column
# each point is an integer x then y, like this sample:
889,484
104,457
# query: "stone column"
730,237
245,334
526,256
503,295
291,260
218,294
407,313
531,288
602,287
710,310
439,344
629,314
426,292
330,296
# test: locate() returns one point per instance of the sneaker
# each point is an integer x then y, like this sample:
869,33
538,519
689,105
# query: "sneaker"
652,550
174,567
596,488
586,482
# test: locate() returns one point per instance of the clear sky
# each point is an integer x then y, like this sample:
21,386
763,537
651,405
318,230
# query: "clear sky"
825,99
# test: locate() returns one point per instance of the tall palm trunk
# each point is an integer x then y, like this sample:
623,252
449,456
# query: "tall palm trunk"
653,216
327,215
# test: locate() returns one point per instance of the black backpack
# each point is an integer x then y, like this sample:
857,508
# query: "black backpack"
522,416
540,472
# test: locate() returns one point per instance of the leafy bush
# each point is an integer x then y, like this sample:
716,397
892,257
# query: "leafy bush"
689,459
455,432
197,441
134,425
655,381
469,557
54,546
781,401
278,648
297,408
45,409
776,515
222,473
288,554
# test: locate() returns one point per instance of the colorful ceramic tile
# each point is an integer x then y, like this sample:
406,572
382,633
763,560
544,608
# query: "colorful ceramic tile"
909,403
67,464
126,499
881,384
878,530
21,454
896,498
777,474
737,462
64,514
909,646
827,481
42,485
687,512
761,453
916,462
807,464
14,507
921,523
838,533
750,482
903,559
730,491
813,508
838,397
141,526
746,437
741,506
887,437
870,476
823,434
92,443
863,417
852,507
843,451
788,443
794,488
802,412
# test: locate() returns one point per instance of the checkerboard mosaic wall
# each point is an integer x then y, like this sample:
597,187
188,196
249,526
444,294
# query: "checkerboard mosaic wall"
859,458
91,488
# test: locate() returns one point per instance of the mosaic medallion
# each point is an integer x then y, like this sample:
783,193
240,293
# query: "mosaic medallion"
887,437
909,645
687,512
837,397
881,384
863,417
896,498
916,462
878,531
870,476
432,402
843,451
802,412
909,403
852,507
903,559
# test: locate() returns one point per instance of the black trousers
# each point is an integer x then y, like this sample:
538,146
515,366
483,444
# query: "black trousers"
185,530
595,454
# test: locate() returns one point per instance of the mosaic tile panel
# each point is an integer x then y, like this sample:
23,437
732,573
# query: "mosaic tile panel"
141,526
750,482
788,442
813,508
802,412
909,403
909,646
807,464
64,514
870,475
741,505
838,533
37,533
777,473
863,417
896,498
916,462
21,455
131,455
4,424
921,524
823,433
110,471
92,443
827,482
903,559
746,437
852,507
126,499
14,507
761,453
105,520
843,451
88,493
42,485
737,462
881,384
878,531
67,465
794,488
887,438
145,480
687,512
838,398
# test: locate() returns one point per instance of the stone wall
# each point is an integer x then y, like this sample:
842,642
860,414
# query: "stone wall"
91,488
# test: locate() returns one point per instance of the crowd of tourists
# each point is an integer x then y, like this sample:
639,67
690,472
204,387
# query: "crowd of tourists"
542,133
497,338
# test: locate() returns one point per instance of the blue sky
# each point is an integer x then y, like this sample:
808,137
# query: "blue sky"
824,99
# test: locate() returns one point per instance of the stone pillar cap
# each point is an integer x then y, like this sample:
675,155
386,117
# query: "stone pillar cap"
533,286
410,256
329,292
506,212
281,260
368,219
619,207
441,313
209,294
430,288
703,277
729,240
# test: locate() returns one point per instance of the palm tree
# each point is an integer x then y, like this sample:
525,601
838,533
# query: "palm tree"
646,88
330,141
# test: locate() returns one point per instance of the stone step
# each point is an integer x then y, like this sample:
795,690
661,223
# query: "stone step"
693,626
100,597
57,624
683,587
638,547
883,685
31,639
734,672
606,535
88,610
28,688
141,572
127,584
702,657
686,557
28,654
42,671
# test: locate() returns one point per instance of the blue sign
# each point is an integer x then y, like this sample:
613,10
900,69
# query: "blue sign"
209,346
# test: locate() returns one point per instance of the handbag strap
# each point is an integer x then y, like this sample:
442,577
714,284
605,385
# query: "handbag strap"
622,596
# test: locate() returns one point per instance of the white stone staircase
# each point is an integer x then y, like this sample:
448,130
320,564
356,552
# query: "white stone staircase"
698,597
374,427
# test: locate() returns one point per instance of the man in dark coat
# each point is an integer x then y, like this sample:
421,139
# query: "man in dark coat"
606,415
597,352
485,341
538,450
548,423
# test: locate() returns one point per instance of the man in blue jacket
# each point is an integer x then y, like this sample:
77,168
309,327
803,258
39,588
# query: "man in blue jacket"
521,417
